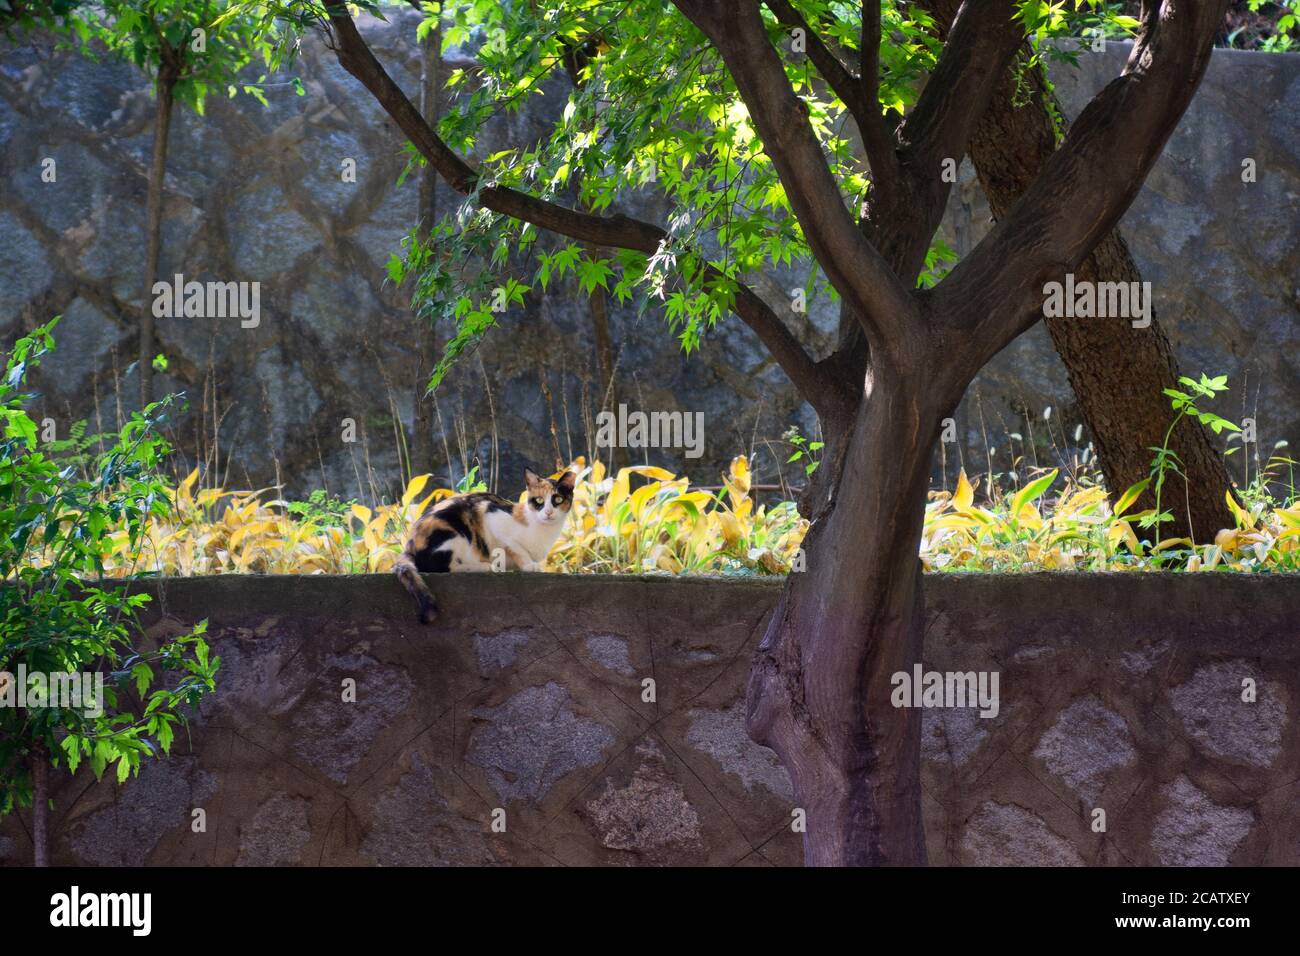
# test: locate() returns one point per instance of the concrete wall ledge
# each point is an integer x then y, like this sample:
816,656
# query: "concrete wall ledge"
1270,600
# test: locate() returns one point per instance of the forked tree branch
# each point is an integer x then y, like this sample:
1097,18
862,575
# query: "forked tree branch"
890,317
1083,189
618,231
902,222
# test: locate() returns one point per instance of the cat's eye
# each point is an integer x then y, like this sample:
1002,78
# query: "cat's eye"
538,502
557,500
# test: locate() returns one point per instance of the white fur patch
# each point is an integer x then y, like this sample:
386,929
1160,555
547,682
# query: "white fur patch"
531,541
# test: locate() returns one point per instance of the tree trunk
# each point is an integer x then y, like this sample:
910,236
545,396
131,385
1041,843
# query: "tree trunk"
820,687
40,806
1118,373
426,335
1127,422
165,88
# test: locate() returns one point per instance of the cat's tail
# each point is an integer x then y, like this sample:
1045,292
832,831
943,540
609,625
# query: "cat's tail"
415,586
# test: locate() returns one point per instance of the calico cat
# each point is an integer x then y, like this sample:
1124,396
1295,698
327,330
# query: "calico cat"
462,532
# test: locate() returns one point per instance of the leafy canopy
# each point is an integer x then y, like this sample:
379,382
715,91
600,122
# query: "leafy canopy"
650,111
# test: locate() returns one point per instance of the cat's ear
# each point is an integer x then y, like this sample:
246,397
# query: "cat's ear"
567,481
530,477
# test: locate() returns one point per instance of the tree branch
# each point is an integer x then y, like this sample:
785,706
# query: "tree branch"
833,71
869,73
860,95
1084,188
980,45
886,308
617,231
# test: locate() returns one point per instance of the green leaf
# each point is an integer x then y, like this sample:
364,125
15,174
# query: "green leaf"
592,273
165,735
1031,492
143,676
71,747
1130,495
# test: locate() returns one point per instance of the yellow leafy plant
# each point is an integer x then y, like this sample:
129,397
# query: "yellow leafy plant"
646,520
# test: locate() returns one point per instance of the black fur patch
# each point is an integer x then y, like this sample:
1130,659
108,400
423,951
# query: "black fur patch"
457,517
431,560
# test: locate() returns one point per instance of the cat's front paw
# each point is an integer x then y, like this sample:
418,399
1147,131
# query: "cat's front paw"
531,566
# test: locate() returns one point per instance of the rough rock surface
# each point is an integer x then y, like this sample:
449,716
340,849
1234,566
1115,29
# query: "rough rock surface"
498,651
415,826
277,833
610,652
953,734
163,796
1085,744
650,814
333,733
1192,830
257,194
1213,711
1002,835
721,734
534,739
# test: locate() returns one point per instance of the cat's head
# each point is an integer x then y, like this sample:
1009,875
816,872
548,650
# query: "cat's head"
548,502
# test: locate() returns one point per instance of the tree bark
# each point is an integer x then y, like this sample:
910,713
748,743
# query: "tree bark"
165,87
40,806
1118,373
1126,422
820,685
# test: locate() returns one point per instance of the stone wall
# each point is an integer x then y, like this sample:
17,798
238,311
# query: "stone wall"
1122,693
254,194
